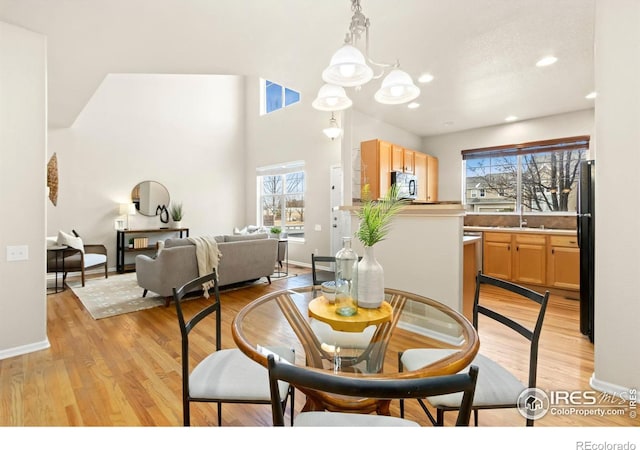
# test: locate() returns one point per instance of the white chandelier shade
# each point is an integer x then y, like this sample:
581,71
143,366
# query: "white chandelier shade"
331,98
397,88
347,68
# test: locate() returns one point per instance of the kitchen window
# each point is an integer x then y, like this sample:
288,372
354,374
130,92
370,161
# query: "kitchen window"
281,190
532,177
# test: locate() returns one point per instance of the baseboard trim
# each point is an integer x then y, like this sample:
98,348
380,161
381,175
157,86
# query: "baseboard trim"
24,349
605,386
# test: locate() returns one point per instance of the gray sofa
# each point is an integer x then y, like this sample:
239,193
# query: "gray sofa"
244,258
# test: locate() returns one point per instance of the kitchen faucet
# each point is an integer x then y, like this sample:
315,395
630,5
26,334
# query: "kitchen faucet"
523,221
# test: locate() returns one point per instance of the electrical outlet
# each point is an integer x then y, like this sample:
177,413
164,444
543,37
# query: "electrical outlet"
17,252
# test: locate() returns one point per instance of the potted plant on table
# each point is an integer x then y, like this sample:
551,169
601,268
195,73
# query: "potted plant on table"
275,232
176,214
375,223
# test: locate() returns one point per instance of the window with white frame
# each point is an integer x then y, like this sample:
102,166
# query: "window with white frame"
532,177
281,191
274,96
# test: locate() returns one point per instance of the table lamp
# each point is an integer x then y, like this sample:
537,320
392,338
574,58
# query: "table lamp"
128,209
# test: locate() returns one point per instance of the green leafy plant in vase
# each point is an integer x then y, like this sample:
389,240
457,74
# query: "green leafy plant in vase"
376,217
176,212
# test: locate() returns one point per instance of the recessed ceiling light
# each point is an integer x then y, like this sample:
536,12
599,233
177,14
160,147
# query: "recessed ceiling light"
425,78
591,95
413,105
510,119
546,61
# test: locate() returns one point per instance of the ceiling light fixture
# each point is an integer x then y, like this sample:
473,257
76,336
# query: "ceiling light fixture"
349,67
333,131
591,95
425,78
510,119
413,105
546,61
332,98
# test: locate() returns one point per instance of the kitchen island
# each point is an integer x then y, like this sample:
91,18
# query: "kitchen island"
423,252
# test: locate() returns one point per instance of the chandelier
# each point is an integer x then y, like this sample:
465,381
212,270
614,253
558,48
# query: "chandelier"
349,67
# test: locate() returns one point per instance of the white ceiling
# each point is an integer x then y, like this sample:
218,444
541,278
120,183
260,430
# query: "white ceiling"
481,52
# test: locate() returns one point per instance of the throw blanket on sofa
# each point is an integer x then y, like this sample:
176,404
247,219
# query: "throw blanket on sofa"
208,256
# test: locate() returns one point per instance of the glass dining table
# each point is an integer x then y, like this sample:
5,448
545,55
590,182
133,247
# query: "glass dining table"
367,344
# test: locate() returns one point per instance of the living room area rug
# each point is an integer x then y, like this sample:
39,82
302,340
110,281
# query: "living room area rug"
120,294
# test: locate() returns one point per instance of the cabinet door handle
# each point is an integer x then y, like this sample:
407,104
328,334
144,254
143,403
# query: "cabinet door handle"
553,251
517,248
508,247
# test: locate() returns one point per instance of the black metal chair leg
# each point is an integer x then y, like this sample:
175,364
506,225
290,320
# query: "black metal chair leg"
219,414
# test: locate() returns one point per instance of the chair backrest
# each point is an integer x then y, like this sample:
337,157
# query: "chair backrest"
187,325
532,335
319,259
369,387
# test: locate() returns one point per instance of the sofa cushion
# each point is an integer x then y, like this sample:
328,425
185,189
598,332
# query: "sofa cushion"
244,237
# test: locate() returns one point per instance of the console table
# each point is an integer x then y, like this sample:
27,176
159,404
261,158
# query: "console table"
122,243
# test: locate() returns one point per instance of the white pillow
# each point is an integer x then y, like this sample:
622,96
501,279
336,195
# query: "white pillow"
71,241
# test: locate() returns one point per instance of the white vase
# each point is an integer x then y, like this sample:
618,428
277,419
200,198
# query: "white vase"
370,281
177,224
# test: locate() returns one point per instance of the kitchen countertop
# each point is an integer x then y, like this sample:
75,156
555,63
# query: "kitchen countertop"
551,231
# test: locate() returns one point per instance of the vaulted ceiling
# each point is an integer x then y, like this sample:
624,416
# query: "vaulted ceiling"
482,53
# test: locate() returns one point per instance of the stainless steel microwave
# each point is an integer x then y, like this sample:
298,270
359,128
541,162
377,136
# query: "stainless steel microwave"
407,184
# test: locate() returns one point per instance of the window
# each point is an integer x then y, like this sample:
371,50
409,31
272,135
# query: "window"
275,96
281,191
537,176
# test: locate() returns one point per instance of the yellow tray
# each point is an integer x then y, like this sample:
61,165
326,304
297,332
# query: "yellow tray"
321,309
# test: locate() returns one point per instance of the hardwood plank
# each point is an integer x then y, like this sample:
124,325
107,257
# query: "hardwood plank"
125,370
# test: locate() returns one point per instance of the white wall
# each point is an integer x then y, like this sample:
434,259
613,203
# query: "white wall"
617,301
447,147
23,119
293,133
184,131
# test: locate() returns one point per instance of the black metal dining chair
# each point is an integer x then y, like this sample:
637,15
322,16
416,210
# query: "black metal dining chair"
497,386
297,376
225,375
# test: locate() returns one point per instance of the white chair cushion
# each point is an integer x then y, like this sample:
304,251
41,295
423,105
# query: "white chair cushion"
231,375
93,259
336,419
495,385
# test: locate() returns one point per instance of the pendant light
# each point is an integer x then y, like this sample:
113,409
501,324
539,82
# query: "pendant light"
333,131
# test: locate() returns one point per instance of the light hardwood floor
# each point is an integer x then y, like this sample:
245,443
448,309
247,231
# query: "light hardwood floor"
125,370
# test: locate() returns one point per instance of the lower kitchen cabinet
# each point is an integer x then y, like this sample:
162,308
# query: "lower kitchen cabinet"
564,262
533,258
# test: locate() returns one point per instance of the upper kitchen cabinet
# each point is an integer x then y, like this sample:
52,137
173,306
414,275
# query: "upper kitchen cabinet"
432,178
375,167
380,158
402,159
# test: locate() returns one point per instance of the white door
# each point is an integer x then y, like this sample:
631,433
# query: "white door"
337,220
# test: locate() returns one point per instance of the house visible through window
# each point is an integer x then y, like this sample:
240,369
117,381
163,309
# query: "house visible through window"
275,96
281,191
537,176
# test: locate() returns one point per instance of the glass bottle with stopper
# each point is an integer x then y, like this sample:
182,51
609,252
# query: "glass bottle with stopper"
346,280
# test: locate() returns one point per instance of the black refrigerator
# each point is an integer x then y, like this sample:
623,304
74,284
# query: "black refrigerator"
586,242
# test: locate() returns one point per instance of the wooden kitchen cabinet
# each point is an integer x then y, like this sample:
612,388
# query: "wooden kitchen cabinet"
402,159
432,178
533,258
564,262
515,257
375,167
497,255
529,258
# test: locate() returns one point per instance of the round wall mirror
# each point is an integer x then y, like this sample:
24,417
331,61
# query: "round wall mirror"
150,197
